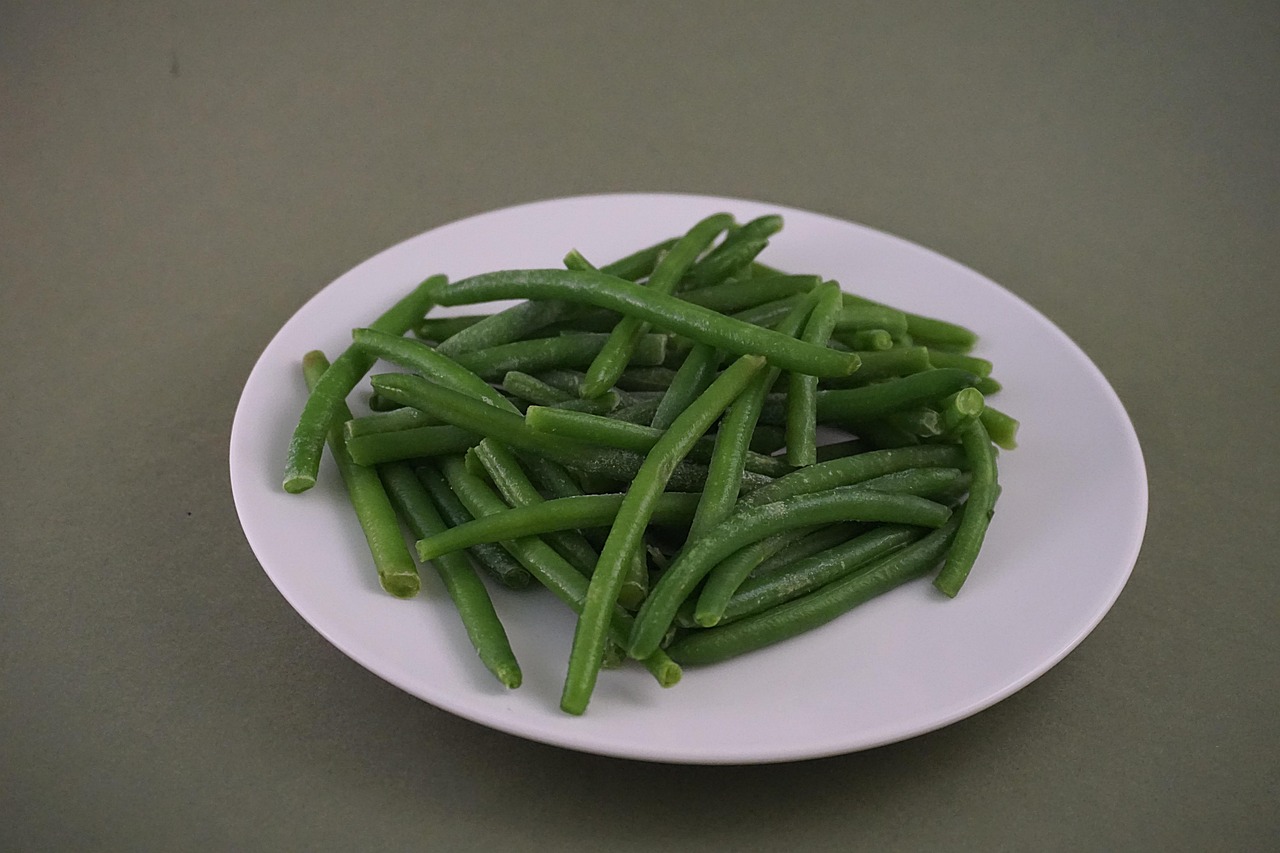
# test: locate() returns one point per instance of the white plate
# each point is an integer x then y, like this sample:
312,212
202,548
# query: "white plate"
1063,542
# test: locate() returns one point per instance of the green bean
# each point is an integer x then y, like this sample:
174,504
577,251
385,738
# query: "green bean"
668,313
535,391
736,296
633,267
516,323
971,363
1002,428
865,340
750,524
802,397
468,593
439,329
765,438
839,449
691,379
646,379
884,364
626,535
738,250
471,414
770,313
960,408
554,478
851,470
729,574
379,404
815,609
518,490
640,413
860,405
927,330
549,567
396,570
858,317
805,542
537,354
975,515
919,422
326,399
413,443
612,432
805,574
491,557
730,454
987,386
419,357
401,417
617,353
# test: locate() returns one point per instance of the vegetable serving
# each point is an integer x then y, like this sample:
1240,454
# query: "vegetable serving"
697,453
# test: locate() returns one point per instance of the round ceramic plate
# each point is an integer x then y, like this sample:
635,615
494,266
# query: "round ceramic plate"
1060,548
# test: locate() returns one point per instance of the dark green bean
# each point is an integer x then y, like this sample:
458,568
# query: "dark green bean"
419,357
860,405
770,313
851,470
815,609
322,406
805,574
736,296
668,313
549,567
440,329
802,395
626,535
646,379
413,443
738,250
538,354
752,523
691,379
617,353
491,557
401,417
975,515
534,390
469,595
396,570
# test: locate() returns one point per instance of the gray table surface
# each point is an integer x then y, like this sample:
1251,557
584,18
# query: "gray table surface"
176,179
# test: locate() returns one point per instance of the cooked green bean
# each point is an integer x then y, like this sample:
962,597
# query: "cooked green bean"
439,329
614,432
752,523
396,570
770,313
657,379
379,404
324,402
537,354
626,535
815,609
539,393
517,489
1002,428
852,470
975,514
691,379
401,417
730,454
805,574
884,364
865,340
418,357
960,408
869,403
491,557
926,330
806,542
668,313
738,250
469,595
971,363
802,393
549,567
617,352
413,443
736,296
640,413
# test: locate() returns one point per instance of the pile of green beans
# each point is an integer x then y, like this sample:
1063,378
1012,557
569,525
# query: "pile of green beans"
697,453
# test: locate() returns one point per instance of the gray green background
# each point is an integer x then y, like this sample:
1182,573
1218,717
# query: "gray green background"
176,179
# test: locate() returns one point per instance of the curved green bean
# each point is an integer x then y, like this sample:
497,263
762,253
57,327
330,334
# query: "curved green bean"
396,570
491,557
815,609
325,399
626,535
852,470
975,514
739,296
616,354
668,313
752,523
419,357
